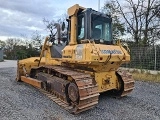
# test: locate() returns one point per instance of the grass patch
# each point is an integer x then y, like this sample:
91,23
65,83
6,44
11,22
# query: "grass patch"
146,76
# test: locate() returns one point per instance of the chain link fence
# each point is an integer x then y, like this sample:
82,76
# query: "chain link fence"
144,58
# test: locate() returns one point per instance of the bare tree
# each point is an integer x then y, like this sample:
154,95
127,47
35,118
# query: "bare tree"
12,42
58,32
142,18
36,40
118,27
51,25
11,45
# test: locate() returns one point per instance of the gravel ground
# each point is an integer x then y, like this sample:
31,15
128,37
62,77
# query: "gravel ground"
19,101
8,63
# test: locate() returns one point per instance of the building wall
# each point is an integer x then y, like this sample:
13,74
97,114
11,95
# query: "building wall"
1,55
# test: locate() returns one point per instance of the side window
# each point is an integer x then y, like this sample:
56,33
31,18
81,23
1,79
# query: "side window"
80,27
100,28
107,32
97,31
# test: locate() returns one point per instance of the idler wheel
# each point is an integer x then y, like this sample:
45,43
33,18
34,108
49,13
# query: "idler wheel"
73,92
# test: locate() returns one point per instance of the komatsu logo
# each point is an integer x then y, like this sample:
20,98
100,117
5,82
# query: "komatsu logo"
111,51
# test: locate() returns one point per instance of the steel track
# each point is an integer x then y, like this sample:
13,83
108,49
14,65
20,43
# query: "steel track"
87,89
127,83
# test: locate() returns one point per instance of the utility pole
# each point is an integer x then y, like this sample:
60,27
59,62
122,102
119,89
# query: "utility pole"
98,5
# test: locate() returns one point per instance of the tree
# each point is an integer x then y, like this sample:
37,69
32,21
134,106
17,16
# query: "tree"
21,48
49,26
2,44
36,41
142,19
118,27
58,32
11,44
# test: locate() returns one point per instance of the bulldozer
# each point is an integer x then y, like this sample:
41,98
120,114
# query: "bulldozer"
75,69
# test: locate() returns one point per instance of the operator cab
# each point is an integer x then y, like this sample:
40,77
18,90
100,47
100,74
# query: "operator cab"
94,25
86,24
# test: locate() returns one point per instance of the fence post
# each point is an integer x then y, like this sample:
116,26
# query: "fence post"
155,57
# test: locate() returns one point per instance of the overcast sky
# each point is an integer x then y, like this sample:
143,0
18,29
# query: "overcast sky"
24,17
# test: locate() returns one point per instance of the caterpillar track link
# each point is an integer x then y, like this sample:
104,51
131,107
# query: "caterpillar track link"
74,91
126,83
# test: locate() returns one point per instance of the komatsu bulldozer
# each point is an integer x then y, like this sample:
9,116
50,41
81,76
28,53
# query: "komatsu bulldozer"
76,69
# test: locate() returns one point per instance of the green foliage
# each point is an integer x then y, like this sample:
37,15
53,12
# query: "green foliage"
22,48
2,44
20,52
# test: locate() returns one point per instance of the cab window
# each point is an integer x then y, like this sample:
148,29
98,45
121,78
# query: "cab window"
80,27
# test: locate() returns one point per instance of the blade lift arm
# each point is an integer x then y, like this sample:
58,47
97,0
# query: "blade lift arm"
43,49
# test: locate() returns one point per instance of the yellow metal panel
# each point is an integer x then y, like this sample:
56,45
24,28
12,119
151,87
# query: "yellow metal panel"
31,81
28,64
72,10
73,38
106,81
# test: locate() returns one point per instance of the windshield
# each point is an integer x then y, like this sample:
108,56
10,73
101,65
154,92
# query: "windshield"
100,29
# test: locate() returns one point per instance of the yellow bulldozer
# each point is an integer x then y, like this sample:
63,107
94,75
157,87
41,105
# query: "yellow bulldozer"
82,65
